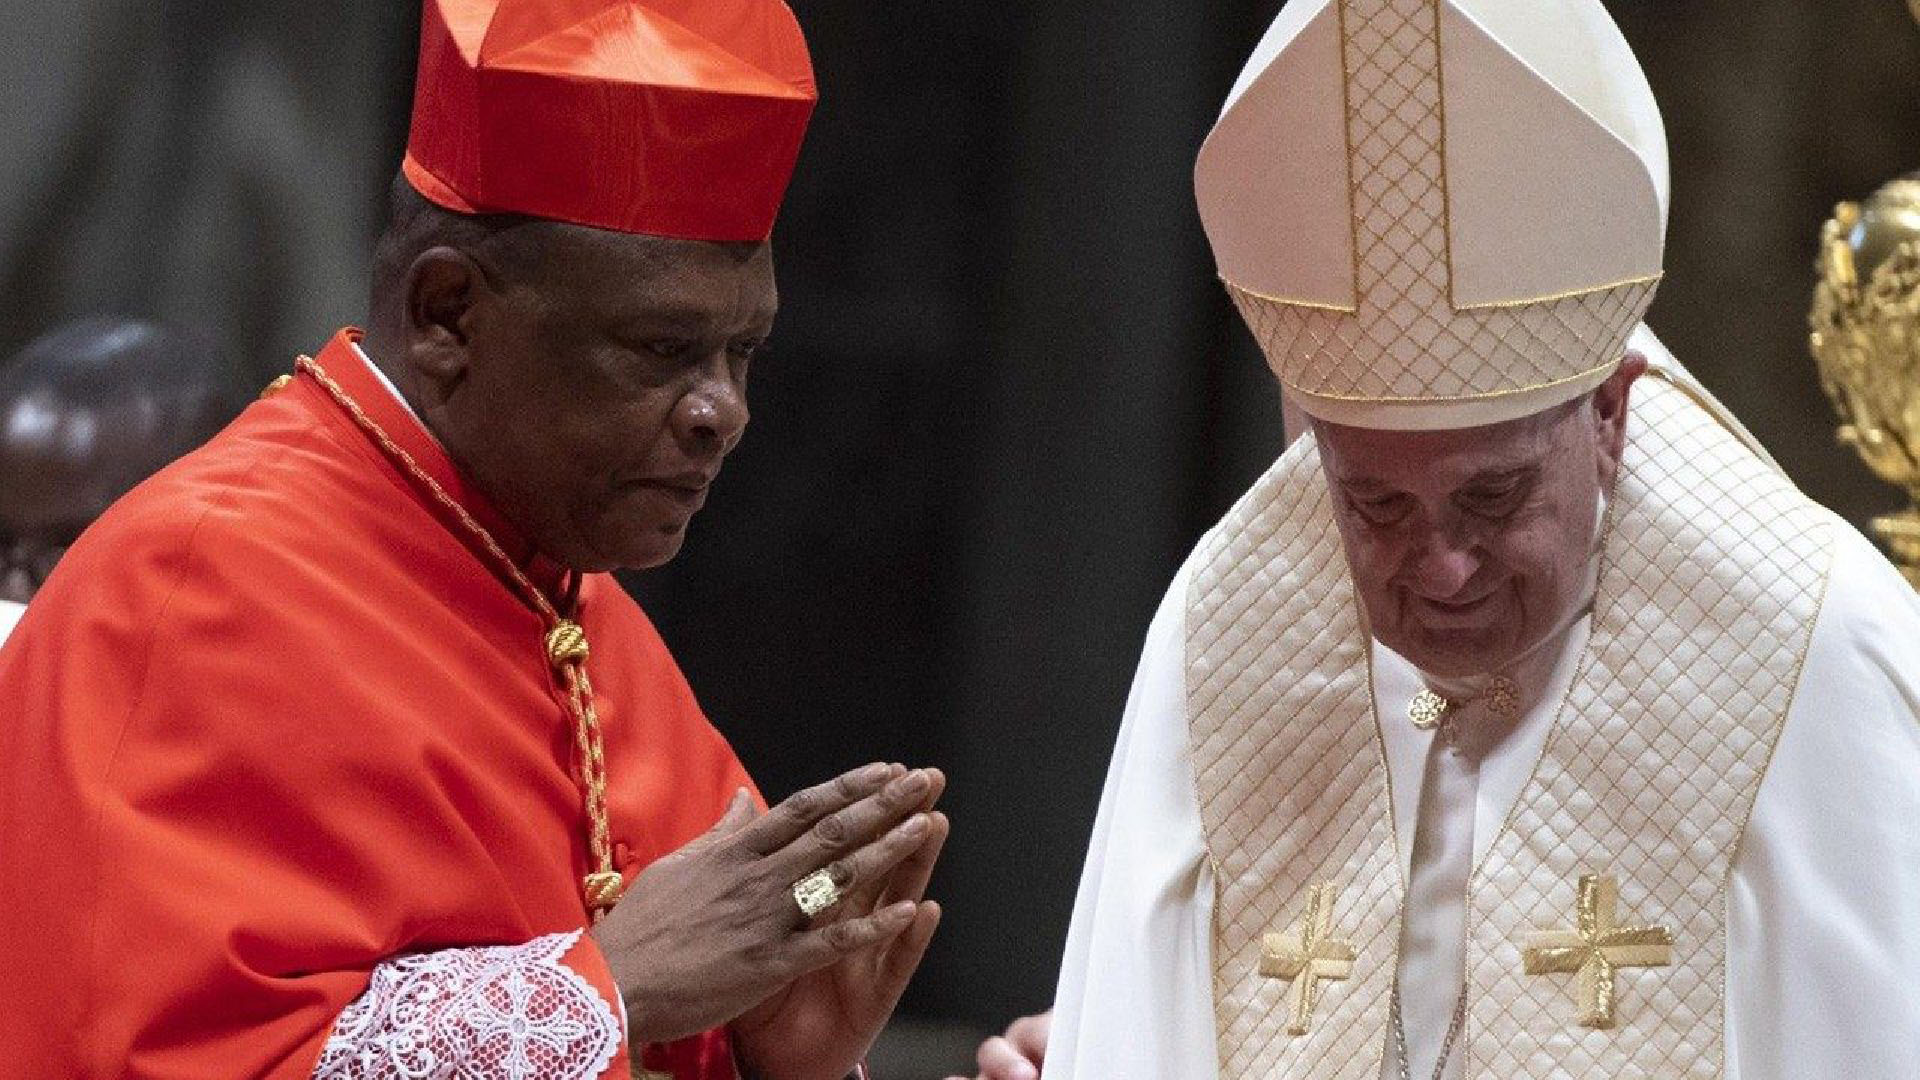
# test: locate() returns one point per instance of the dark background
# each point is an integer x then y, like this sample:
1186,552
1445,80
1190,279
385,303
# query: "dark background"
1006,393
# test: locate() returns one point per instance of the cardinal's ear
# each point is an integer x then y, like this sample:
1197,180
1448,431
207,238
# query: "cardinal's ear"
446,294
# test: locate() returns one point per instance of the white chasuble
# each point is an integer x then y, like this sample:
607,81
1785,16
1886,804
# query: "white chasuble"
1696,758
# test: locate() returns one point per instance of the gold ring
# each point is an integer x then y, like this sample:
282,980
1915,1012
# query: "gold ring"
816,893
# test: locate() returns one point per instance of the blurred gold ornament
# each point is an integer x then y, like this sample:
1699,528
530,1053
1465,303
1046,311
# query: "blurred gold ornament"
1866,341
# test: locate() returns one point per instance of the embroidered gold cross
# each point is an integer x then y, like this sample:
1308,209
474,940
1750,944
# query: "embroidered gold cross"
1306,954
1596,948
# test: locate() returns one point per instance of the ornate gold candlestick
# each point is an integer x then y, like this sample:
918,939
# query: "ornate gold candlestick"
1866,341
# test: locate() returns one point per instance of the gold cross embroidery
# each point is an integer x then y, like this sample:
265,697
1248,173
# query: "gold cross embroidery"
1306,954
1596,949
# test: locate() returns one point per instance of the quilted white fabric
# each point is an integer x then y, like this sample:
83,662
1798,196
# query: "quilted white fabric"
1711,581
1712,578
512,1012
1289,774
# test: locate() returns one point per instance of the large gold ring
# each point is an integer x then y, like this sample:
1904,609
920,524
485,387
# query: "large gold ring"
816,893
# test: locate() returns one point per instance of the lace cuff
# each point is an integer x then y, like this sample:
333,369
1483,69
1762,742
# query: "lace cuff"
515,1011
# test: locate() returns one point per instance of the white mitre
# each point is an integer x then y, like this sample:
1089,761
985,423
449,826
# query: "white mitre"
1439,230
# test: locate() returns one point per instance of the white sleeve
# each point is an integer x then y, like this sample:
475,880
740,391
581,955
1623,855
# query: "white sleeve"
511,1010
1135,1000
1823,927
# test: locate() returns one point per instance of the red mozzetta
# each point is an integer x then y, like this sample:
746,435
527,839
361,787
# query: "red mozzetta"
273,722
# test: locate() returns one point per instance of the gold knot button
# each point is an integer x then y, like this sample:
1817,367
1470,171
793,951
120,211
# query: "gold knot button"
567,644
278,384
602,889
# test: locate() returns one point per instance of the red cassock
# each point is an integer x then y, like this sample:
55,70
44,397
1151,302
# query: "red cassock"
279,745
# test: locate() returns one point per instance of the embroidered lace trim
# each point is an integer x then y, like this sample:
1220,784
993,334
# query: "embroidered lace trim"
513,1012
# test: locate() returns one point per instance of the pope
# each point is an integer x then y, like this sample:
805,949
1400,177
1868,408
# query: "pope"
334,750
1523,720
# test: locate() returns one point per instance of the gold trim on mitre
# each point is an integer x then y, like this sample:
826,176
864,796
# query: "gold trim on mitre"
1568,294
1450,413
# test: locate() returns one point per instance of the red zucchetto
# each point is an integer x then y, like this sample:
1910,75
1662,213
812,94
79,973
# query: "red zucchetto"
668,117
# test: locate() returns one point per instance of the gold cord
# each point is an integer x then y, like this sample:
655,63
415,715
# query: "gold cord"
565,643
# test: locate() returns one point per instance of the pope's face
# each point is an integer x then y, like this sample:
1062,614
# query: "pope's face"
598,403
1469,547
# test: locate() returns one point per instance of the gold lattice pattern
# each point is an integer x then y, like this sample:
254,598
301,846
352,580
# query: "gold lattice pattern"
1291,786
1407,341
1707,599
1707,596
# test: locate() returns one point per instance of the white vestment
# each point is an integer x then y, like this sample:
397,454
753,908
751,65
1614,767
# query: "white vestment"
10,613
1386,194
1823,920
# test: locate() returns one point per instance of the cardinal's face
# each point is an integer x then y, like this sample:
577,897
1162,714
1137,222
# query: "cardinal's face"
1469,547
601,396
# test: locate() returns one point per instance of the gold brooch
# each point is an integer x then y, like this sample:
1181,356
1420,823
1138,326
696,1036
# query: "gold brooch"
1429,710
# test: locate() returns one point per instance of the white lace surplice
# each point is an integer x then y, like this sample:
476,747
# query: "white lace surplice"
512,1012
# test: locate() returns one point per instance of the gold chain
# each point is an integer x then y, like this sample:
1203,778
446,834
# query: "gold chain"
566,648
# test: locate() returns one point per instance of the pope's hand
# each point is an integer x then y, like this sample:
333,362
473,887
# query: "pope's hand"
1017,1055
713,930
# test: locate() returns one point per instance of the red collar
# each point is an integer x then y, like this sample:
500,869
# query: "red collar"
343,363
